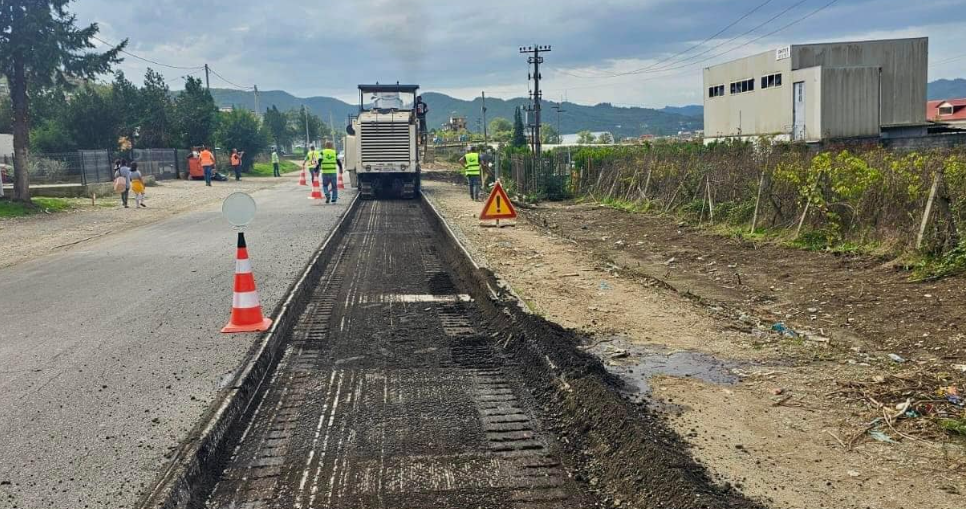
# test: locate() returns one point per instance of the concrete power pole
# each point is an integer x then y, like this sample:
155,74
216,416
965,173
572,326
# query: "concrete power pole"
536,60
305,117
256,100
483,110
207,81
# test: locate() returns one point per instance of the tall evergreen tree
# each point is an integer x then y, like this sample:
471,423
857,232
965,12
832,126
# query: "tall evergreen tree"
155,112
519,137
196,115
40,45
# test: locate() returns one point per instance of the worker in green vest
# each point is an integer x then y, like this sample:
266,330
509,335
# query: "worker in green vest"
275,162
312,161
331,167
471,168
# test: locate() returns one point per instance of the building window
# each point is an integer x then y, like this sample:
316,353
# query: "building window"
716,91
946,110
772,80
743,86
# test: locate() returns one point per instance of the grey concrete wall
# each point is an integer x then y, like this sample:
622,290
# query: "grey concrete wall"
904,64
760,112
850,102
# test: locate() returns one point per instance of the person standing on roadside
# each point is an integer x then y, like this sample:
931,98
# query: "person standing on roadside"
137,185
275,163
312,161
471,168
330,164
236,162
207,163
124,171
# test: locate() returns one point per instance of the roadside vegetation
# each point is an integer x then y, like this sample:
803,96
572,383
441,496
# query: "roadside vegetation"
266,169
11,209
909,207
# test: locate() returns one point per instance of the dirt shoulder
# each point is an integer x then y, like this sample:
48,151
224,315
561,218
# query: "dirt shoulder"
29,237
782,418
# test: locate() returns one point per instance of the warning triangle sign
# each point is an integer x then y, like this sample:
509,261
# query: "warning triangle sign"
498,205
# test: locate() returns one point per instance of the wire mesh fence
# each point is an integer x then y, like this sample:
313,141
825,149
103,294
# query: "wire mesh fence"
84,167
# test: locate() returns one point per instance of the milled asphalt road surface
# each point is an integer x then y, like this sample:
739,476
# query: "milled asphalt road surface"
111,350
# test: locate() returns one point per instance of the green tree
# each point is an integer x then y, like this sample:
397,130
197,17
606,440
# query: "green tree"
585,138
156,130
90,120
51,135
500,125
241,129
605,139
195,114
549,134
316,128
278,126
40,45
6,115
519,137
124,101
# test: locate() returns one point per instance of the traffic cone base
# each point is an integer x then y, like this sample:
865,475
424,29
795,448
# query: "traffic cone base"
316,190
246,310
341,184
302,178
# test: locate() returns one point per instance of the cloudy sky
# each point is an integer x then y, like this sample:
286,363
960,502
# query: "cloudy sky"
627,52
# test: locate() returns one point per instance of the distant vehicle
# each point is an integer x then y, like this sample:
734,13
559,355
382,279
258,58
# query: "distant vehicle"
380,146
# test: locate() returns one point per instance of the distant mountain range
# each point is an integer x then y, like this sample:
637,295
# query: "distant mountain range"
946,89
573,118
620,121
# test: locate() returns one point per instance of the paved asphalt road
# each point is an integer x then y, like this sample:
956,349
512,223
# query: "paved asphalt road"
110,351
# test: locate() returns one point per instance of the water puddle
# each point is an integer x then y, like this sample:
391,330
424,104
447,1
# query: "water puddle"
635,364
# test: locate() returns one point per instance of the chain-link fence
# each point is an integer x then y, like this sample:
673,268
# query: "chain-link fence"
84,167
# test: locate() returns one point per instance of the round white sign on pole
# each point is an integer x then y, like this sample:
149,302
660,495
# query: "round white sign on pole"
239,209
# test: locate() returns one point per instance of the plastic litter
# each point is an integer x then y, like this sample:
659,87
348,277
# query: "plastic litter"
881,437
604,286
896,358
784,330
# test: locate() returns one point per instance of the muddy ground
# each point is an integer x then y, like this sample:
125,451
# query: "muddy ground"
685,317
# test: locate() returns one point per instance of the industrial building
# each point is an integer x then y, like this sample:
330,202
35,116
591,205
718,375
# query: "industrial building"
815,92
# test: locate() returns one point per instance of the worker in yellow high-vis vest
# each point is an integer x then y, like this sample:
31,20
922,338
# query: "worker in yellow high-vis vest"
312,162
331,167
471,168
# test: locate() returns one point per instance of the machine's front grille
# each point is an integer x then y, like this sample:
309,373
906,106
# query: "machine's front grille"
385,142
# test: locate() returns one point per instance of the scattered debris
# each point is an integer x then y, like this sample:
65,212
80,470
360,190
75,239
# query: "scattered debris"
896,358
881,436
784,330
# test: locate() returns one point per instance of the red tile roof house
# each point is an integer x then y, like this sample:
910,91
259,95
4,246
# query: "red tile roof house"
947,111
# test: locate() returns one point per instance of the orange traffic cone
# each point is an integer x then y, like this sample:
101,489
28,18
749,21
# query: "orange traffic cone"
316,190
246,310
302,178
341,184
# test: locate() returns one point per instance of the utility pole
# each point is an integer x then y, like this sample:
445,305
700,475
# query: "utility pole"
332,127
559,109
536,95
483,110
306,118
207,82
257,111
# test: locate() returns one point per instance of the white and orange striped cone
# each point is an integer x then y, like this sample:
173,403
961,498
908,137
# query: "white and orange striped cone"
341,184
316,190
302,177
246,310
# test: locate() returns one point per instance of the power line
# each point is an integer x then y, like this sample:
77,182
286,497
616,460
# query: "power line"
680,53
128,53
773,32
948,60
222,78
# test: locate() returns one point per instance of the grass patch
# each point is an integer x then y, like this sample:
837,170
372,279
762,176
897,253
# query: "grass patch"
15,209
627,206
955,426
931,268
266,170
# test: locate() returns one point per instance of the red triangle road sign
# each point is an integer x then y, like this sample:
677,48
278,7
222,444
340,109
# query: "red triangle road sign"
498,205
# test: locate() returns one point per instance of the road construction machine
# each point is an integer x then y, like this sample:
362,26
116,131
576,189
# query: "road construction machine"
381,151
